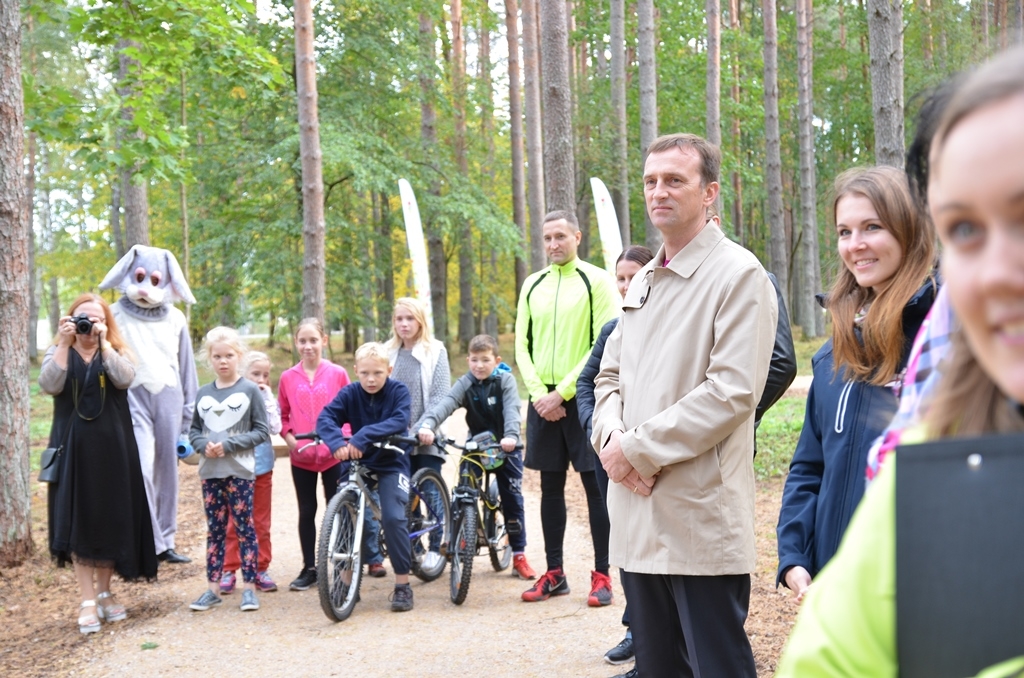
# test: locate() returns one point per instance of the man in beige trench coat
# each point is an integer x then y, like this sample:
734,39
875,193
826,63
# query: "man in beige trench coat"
674,421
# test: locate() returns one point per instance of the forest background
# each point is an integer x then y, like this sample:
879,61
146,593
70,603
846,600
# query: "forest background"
263,145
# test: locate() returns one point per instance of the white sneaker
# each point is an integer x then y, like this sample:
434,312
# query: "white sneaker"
431,560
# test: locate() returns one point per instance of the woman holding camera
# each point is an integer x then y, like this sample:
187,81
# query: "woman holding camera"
98,515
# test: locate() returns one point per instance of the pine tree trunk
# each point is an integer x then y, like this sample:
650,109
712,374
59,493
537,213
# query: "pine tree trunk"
33,277
885,39
515,106
985,30
437,259
15,527
559,163
813,322
133,186
648,99
458,66
534,136
778,248
737,149
618,67
313,257
713,83
183,203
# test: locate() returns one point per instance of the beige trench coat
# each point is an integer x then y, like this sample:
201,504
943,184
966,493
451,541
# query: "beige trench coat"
681,376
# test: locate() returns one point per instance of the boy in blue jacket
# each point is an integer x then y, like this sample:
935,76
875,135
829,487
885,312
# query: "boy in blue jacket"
491,398
377,407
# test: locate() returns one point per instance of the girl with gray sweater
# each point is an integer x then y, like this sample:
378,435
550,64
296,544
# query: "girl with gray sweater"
230,420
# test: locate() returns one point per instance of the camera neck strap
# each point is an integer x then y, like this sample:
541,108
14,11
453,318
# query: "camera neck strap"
76,393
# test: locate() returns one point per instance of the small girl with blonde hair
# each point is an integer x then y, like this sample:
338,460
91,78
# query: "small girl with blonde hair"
256,368
229,422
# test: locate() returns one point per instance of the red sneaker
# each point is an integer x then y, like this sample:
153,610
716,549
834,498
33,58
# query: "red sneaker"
600,590
521,568
553,583
376,570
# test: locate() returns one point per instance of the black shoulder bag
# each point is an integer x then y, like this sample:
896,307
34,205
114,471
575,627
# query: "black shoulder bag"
51,461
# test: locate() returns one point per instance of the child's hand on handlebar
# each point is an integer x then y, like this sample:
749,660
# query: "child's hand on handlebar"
348,452
426,436
508,444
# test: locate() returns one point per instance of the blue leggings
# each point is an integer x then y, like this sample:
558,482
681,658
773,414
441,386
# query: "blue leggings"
221,496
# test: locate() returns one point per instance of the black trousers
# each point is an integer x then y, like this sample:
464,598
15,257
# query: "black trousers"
686,626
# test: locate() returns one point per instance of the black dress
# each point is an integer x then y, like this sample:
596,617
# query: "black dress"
98,512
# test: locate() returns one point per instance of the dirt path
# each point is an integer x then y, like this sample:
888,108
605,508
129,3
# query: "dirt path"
492,633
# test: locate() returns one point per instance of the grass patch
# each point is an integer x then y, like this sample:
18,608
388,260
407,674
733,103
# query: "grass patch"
777,437
805,350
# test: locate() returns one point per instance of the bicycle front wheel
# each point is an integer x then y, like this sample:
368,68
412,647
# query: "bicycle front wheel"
339,557
496,534
428,514
462,549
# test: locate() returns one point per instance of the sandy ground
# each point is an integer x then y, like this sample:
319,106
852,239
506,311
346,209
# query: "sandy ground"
492,633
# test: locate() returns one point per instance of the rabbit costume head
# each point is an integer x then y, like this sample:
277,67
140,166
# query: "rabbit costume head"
150,277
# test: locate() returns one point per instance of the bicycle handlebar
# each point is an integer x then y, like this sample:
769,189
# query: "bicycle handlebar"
394,440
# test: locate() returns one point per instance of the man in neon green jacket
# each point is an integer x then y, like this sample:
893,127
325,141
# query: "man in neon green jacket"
562,309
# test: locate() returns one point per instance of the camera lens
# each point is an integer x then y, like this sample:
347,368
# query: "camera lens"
82,324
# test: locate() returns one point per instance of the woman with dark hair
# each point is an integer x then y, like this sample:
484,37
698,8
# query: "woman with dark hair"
97,509
975,180
881,295
630,260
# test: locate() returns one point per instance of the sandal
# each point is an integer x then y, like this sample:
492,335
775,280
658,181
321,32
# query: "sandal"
111,611
89,623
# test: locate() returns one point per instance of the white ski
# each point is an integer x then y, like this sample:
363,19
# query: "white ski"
417,248
607,224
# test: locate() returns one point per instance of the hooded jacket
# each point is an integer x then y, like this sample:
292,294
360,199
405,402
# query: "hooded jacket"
827,474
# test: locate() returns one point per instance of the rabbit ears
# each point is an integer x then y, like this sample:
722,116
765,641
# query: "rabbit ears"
150,259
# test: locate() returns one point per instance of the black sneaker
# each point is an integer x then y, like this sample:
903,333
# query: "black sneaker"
632,673
621,653
305,580
401,599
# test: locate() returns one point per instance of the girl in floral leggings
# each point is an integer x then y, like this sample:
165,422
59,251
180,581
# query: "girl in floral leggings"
230,421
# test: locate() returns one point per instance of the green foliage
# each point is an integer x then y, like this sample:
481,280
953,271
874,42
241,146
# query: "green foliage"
777,437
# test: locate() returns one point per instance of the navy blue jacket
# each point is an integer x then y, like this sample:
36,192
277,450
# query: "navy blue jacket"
373,417
827,475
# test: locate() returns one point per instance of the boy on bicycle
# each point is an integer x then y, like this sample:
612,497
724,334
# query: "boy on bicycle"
491,398
377,407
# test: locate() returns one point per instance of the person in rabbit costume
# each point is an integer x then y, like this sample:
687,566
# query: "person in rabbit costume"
162,397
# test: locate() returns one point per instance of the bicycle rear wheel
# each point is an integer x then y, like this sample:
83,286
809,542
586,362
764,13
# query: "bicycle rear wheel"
462,549
494,530
339,557
428,514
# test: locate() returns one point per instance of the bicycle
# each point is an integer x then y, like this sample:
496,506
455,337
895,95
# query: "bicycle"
475,525
339,562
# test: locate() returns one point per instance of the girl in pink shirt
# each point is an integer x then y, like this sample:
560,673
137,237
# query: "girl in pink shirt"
302,392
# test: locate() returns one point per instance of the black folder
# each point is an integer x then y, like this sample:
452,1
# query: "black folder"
959,555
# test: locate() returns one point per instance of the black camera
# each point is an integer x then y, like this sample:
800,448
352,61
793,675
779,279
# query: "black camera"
82,324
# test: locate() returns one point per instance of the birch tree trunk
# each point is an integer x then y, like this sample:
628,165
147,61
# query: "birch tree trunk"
778,247
885,41
534,135
438,262
556,116
812,321
15,528
313,262
648,99
620,189
713,84
515,106
115,216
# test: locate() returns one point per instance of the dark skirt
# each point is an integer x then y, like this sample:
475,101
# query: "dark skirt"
98,513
